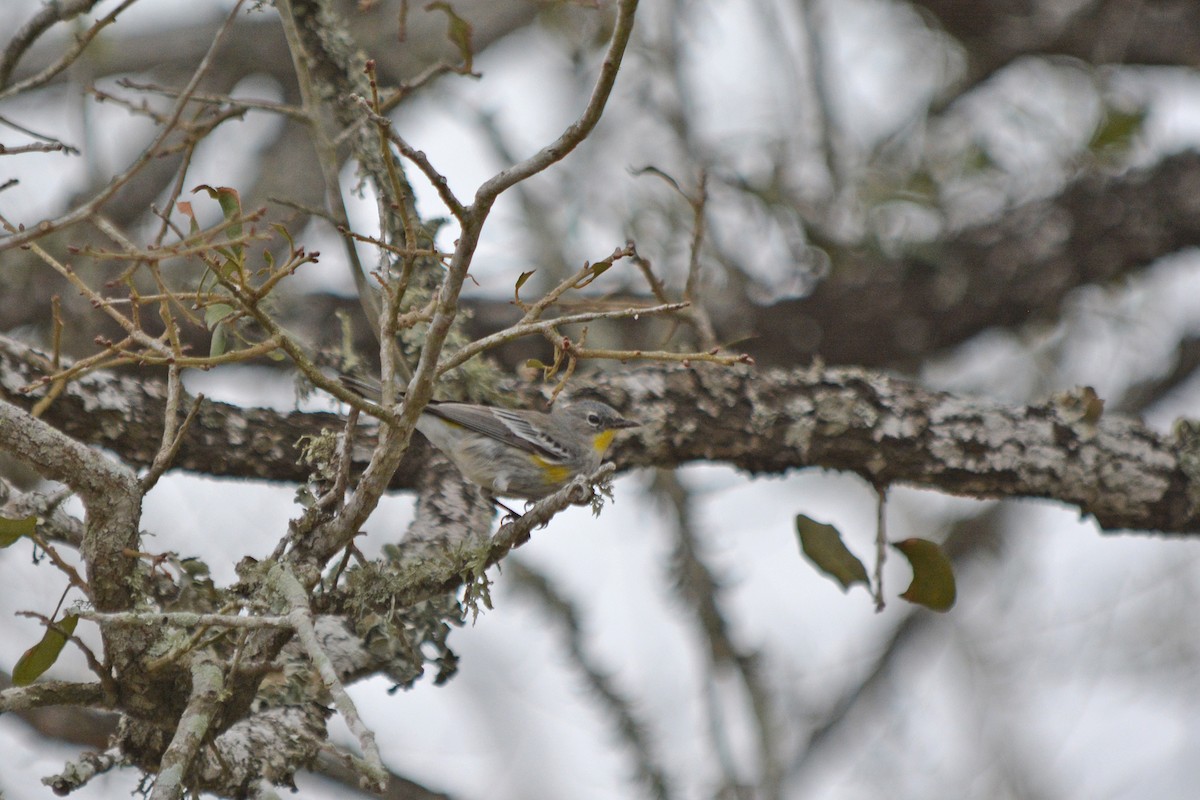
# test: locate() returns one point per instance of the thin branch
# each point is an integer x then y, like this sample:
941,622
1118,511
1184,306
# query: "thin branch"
184,619
172,431
578,130
881,544
699,589
97,301
300,616
660,356
327,157
469,351
72,575
418,157
77,774
49,15
54,693
89,207
510,536
208,685
242,103
37,147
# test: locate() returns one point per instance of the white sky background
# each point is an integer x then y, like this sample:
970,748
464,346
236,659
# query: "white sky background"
1052,648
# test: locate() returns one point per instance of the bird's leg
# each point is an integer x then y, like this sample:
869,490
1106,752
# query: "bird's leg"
509,514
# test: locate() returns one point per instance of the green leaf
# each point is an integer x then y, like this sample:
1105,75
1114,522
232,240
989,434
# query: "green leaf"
458,32
933,584
220,340
42,655
282,231
822,545
215,313
12,530
231,209
230,202
521,280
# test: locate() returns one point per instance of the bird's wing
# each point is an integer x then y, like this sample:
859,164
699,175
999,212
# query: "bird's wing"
502,425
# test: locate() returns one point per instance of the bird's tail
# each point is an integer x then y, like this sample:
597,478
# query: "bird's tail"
369,388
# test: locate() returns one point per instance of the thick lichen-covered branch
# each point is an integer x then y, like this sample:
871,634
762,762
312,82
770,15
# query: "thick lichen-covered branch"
768,421
895,431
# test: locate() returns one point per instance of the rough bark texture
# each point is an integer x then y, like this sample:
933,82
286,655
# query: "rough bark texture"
762,421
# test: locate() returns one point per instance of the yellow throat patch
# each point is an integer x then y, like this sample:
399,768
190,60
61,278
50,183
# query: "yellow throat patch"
602,440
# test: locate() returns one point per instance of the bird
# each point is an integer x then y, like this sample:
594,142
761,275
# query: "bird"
515,452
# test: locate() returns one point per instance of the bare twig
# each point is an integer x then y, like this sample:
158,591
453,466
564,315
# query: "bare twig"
97,301
46,17
172,431
36,147
578,130
185,619
77,774
241,103
89,207
53,693
478,346
327,156
300,618
418,157
208,684
72,575
880,544
660,355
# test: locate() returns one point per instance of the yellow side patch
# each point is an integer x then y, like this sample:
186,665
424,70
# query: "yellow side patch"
554,473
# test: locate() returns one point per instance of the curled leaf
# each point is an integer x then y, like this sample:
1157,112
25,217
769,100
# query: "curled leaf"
459,33
933,584
231,209
521,282
228,199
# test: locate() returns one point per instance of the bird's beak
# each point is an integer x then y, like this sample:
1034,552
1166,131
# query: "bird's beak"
625,423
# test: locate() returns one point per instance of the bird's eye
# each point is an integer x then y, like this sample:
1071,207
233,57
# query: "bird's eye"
593,418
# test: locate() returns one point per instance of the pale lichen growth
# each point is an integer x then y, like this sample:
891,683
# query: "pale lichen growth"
1187,438
799,432
839,411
